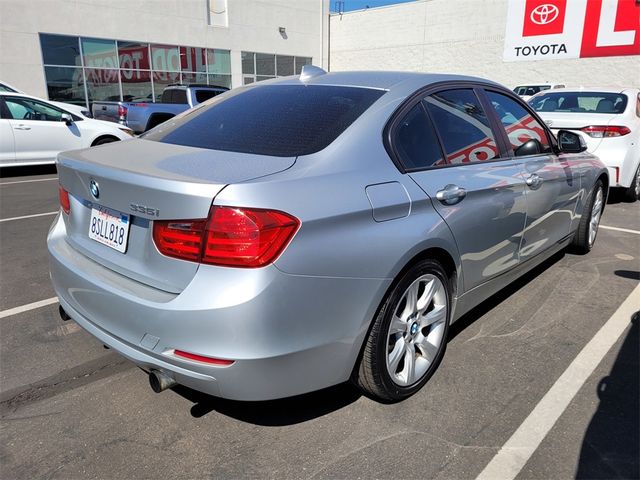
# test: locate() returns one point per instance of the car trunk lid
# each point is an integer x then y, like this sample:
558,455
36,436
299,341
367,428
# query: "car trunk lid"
149,181
575,122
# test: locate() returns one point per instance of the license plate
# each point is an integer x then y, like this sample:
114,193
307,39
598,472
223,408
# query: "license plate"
109,227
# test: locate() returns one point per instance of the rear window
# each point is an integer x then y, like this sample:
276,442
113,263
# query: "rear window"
580,102
277,120
178,96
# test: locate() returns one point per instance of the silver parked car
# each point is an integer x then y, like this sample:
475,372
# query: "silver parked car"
297,233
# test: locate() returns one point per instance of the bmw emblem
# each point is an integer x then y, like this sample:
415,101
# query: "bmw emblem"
95,191
414,328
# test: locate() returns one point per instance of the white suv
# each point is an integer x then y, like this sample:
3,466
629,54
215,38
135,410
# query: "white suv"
34,131
609,121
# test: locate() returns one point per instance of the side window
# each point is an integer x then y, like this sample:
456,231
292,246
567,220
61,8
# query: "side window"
27,109
4,111
204,95
463,126
416,141
520,125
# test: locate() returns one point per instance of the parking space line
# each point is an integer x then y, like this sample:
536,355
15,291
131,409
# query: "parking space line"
515,453
618,229
27,307
28,216
28,181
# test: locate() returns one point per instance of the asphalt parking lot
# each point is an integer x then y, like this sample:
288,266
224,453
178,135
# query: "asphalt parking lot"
71,409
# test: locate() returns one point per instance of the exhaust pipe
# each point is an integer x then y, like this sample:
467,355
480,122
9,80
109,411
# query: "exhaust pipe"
63,315
160,381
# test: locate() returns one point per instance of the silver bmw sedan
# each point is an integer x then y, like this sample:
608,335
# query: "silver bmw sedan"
297,233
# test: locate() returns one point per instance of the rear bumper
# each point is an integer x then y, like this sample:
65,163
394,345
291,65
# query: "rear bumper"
287,334
621,156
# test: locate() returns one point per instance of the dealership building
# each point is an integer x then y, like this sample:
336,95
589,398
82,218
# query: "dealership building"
80,51
86,50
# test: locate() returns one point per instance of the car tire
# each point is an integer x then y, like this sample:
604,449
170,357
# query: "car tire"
105,140
587,231
408,337
632,193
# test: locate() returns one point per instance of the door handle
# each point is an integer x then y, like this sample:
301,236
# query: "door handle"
22,127
534,180
451,194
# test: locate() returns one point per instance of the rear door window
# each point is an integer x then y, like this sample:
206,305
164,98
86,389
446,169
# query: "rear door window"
463,126
204,95
416,141
520,125
276,120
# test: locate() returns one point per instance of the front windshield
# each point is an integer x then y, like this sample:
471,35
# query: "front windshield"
580,102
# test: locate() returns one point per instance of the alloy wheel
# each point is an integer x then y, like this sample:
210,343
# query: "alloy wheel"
416,330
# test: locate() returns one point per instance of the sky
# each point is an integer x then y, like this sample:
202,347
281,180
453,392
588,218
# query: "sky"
349,5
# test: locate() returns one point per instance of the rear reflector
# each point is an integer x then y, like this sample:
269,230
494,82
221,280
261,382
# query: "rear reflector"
604,131
200,358
231,236
64,200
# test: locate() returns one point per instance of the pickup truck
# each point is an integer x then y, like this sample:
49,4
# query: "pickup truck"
141,116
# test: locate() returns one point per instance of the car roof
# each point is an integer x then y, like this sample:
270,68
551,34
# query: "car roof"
385,80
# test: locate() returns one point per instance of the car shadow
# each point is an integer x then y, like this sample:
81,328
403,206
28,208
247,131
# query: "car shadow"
271,413
632,274
611,443
468,318
29,170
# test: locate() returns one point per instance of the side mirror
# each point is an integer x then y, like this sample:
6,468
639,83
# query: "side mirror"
570,142
66,118
531,147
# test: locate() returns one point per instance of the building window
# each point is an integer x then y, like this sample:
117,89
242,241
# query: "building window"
83,70
264,66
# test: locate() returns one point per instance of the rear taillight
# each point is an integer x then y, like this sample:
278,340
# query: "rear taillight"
605,131
122,112
231,236
64,200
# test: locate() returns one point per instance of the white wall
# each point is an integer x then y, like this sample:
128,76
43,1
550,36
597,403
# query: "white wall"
457,36
252,26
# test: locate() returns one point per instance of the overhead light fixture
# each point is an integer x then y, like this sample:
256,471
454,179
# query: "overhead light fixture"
283,32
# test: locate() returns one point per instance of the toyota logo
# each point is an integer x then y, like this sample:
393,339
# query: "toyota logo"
95,190
544,14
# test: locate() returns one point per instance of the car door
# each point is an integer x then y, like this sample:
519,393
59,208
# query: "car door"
7,146
39,131
478,191
552,188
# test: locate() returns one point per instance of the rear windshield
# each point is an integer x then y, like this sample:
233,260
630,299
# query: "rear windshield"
530,89
580,102
277,120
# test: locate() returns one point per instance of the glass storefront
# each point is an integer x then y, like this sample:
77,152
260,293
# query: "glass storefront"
82,70
264,66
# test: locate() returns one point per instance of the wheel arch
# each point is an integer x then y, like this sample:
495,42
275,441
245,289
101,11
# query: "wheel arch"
103,137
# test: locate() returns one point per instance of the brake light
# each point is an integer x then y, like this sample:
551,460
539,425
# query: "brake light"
64,200
605,131
179,239
230,236
200,358
122,112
